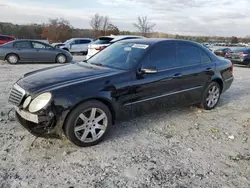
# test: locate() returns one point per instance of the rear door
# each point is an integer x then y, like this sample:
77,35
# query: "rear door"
83,45
196,70
24,50
43,52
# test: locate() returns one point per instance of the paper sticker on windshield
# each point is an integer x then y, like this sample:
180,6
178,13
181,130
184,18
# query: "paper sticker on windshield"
141,46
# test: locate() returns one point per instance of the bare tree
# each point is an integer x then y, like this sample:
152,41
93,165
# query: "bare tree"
105,24
143,25
96,23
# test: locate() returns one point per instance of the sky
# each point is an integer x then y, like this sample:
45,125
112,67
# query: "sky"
183,17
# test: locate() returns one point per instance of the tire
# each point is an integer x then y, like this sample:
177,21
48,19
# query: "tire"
248,65
210,101
61,58
82,129
12,59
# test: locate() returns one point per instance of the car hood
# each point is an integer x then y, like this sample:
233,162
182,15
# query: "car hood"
49,78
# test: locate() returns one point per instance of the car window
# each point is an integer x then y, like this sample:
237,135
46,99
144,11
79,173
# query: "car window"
38,45
22,44
162,56
204,57
84,41
188,54
2,38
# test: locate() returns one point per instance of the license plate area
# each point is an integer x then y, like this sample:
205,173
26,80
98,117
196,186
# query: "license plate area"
27,115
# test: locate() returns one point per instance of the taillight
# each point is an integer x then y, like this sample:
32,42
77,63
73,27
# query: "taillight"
231,68
100,48
243,55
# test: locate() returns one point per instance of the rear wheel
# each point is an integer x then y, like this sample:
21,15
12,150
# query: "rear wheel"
88,123
248,65
12,59
61,58
211,96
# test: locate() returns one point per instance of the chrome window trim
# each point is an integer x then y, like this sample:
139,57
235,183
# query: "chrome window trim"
163,95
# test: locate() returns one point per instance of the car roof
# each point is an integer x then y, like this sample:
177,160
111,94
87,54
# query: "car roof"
119,37
6,36
151,41
80,38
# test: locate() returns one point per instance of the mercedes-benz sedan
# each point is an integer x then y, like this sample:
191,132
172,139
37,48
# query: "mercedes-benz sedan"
82,100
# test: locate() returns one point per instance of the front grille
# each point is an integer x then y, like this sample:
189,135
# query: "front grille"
16,95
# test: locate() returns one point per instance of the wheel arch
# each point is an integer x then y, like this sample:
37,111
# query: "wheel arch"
11,54
219,81
105,101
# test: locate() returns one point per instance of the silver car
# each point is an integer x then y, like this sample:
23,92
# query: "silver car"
32,51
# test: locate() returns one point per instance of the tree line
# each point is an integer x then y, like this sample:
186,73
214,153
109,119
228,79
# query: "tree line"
60,30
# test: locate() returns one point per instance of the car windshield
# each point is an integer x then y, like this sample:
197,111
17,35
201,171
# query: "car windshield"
121,55
68,42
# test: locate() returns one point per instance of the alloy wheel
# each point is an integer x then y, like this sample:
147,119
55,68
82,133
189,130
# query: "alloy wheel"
13,59
61,59
91,125
213,96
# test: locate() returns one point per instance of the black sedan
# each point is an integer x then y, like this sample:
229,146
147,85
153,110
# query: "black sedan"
222,51
83,99
32,51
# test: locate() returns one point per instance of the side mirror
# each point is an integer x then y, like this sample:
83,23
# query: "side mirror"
151,70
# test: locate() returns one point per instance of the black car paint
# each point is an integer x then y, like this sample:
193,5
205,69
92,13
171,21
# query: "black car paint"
73,84
32,54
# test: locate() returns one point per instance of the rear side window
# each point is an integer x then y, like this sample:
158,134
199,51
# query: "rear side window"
204,57
188,54
23,44
162,56
103,40
2,38
84,41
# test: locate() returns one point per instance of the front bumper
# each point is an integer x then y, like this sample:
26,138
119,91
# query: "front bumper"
40,125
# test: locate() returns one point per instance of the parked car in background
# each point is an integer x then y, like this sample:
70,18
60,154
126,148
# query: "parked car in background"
76,45
84,99
5,39
57,45
240,56
104,41
222,51
32,51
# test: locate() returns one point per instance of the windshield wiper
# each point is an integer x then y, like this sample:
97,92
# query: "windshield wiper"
98,64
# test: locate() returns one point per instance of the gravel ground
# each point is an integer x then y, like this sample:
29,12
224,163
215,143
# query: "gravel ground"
177,148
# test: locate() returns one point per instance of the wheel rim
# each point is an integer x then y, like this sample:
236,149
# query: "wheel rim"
61,59
213,96
13,59
91,125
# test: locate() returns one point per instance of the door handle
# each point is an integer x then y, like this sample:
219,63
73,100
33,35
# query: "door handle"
178,75
208,69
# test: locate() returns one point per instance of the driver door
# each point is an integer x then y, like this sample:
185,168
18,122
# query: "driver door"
163,85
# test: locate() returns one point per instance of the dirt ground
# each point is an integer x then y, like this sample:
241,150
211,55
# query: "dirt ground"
180,148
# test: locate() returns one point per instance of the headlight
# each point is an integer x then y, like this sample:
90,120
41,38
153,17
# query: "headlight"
27,102
39,102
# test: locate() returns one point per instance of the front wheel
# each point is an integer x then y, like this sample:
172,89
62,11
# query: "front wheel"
88,123
61,58
211,96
